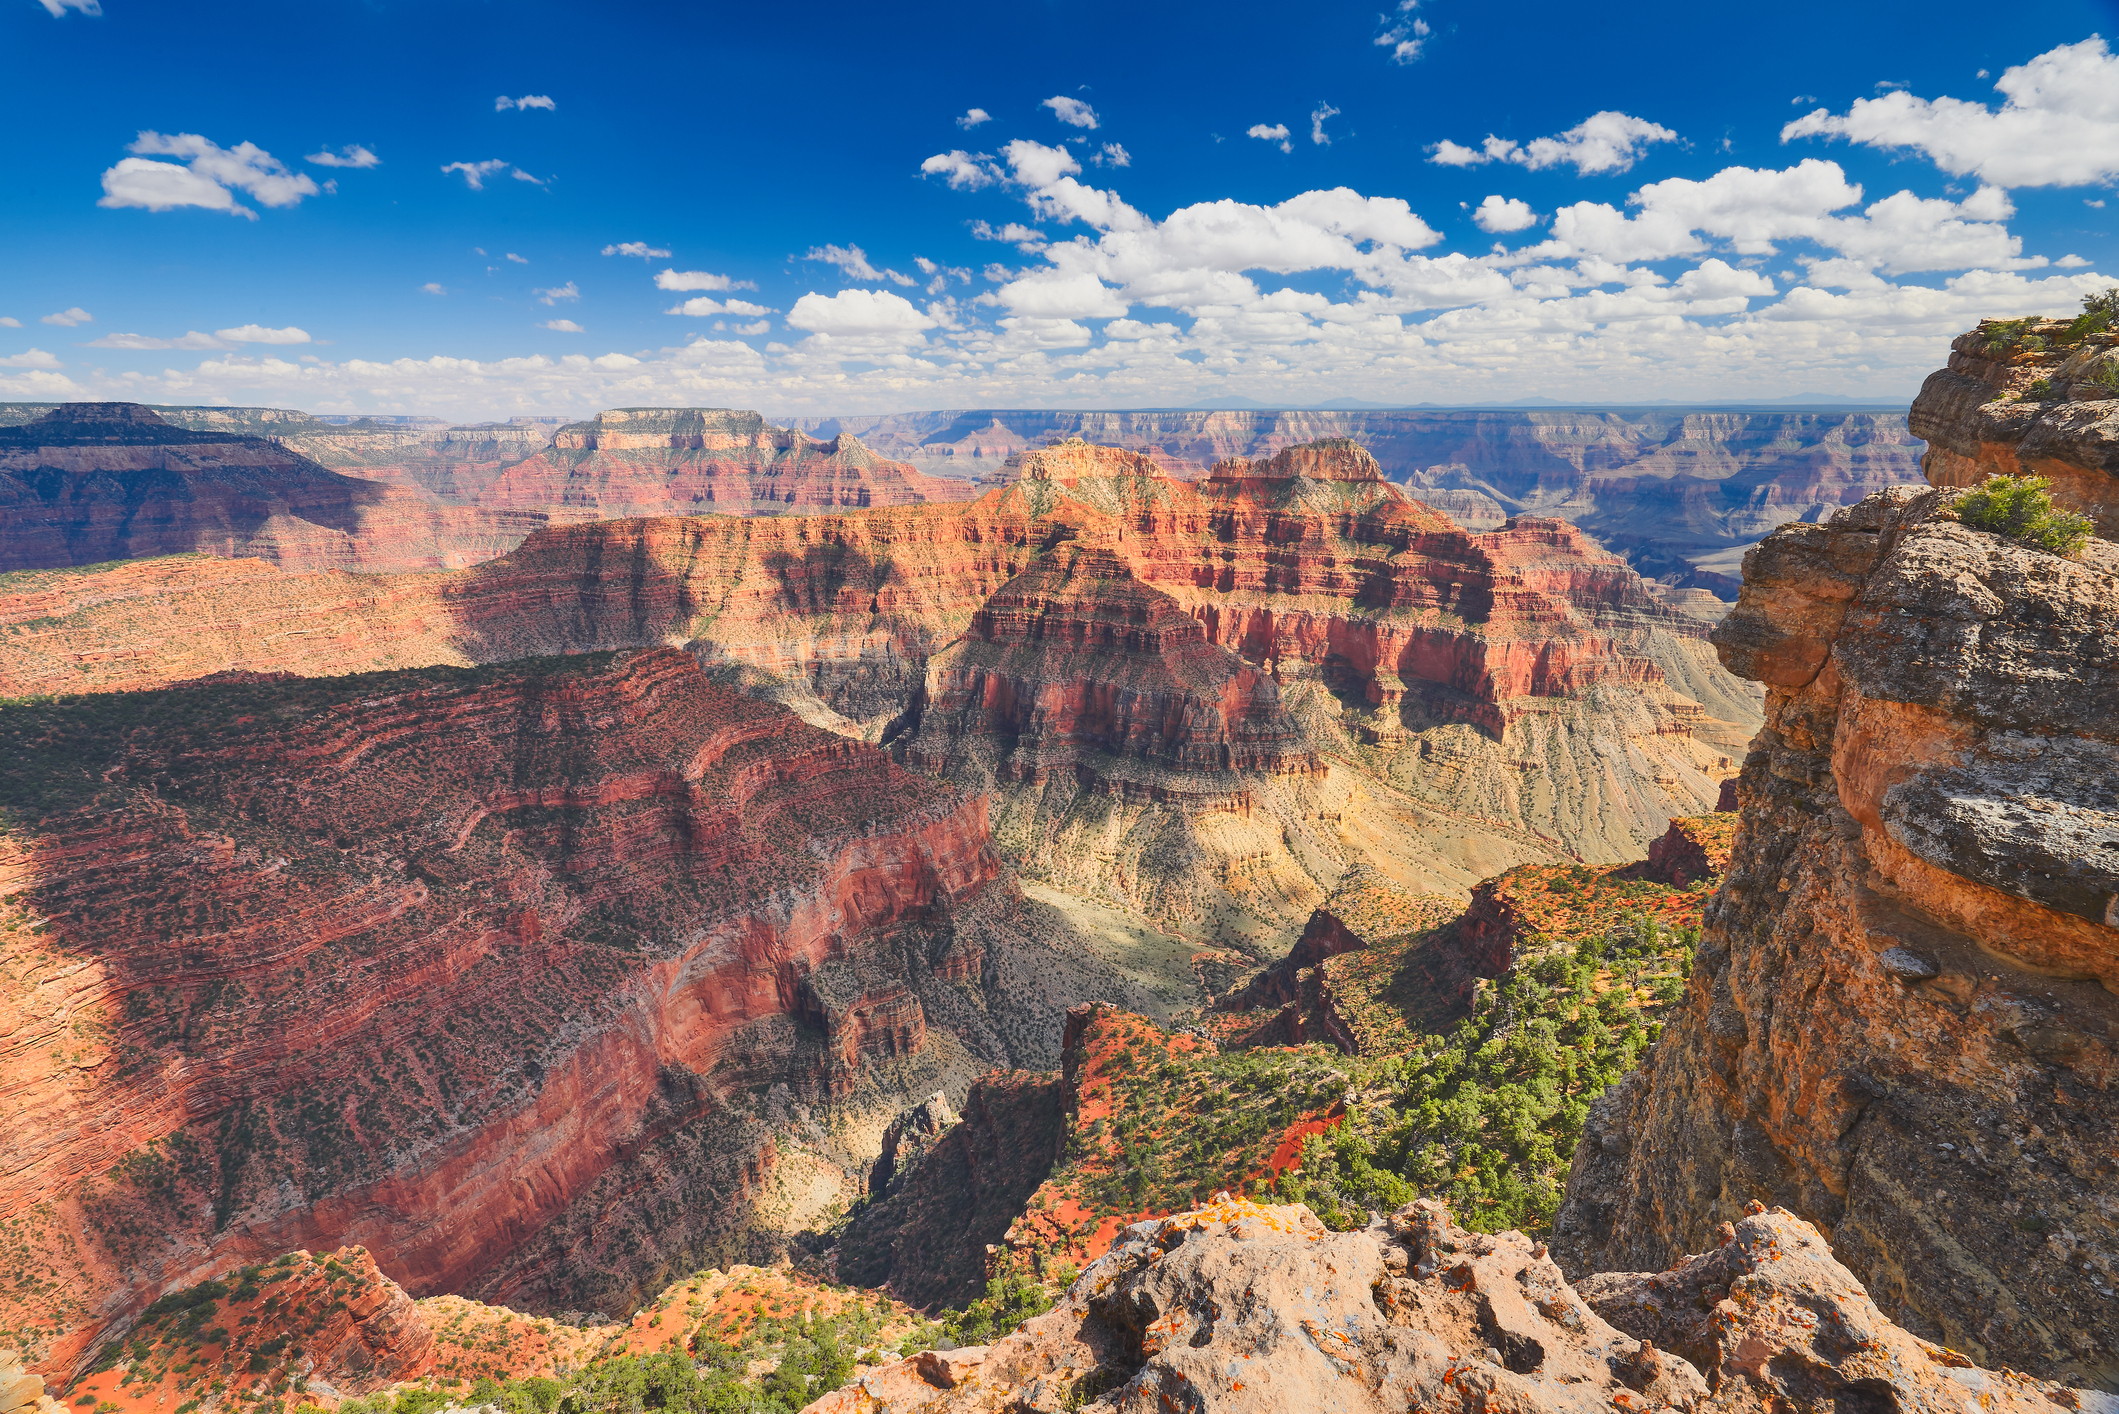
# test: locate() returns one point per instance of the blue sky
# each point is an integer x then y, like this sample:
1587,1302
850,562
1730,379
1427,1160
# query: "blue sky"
1444,202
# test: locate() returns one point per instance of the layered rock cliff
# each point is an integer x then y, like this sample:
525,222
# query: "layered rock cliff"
1902,1023
92,482
687,461
540,981
2028,397
1384,686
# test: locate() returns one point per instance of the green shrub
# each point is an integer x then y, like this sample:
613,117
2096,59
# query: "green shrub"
2019,508
2041,389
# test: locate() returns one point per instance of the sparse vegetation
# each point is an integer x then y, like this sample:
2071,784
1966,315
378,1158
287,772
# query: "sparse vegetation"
2019,508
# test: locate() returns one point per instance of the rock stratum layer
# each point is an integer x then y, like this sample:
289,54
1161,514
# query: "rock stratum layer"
93,482
540,982
1902,1022
2018,400
1239,1307
1203,700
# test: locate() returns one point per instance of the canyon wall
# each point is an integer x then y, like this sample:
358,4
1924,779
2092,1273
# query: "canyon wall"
1902,1021
541,981
93,482
2022,398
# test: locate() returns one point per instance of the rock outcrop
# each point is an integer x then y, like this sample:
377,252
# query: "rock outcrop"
1240,1307
1902,1021
92,482
2022,398
690,461
540,982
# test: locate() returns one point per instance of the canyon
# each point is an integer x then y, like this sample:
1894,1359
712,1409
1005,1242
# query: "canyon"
1214,901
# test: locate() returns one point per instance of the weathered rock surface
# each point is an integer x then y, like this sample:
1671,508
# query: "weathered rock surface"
92,482
540,982
1902,1021
688,461
1238,1307
1981,417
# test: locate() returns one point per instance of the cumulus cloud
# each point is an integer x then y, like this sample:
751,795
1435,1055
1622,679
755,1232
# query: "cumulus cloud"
1071,111
1602,142
1027,239
69,318
1499,215
973,117
853,263
701,306
1112,155
964,171
209,178
860,314
1404,33
568,291
431,288
475,173
562,326
31,358
192,340
1317,118
1277,134
699,280
643,250
2058,124
517,259
259,334
351,155
8,321
525,103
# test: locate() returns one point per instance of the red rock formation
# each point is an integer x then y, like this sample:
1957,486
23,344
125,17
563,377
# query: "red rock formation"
93,482
1901,1022
688,461
1981,417
1257,1309
473,968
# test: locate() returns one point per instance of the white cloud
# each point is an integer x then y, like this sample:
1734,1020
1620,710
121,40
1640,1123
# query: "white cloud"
753,329
699,280
1061,296
964,171
568,291
873,314
351,155
522,176
562,326
191,340
853,262
2071,262
525,103
1404,34
1317,119
69,318
258,334
641,249
57,8
1071,111
1113,155
2058,124
2097,205
973,117
1499,215
475,173
32,358
701,306
519,260
1602,142
431,288
210,180
1027,239
1276,134
8,321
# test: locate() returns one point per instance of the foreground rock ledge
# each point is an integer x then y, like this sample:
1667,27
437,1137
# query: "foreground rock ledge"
1241,1307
